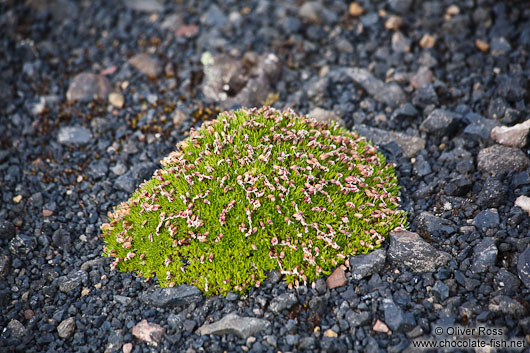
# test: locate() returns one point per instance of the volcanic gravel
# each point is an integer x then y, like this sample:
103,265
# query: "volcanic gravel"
93,94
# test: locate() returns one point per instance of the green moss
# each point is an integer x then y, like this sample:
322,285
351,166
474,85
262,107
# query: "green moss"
252,191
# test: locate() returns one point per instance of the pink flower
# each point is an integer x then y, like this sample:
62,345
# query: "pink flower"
274,241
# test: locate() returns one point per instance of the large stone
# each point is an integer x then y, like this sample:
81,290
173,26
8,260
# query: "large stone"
72,281
492,194
390,94
479,128
505,305
514,136
362,266
7,230
410,145
484,255
488,218
173,296
74,135
66,328
88,86
282,302
523,267
148,332
429,224
440,123
242,327
498,159
410,249
17,329
246,82
395,318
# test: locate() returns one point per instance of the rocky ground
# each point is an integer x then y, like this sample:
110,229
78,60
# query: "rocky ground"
94,93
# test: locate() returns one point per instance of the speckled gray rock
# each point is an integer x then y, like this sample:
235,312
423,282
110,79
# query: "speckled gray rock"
499,159
484,255
410,145
242,327
66,328
5,266
440,123
503,304
72,281
362,266
173,296
75,135
410,249
284,301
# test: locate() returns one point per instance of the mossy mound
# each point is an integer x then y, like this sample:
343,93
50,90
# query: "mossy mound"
252,191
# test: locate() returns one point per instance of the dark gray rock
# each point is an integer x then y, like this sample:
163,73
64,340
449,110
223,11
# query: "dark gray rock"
395,318
125,182
507,282
173,296
123,300
410,249
492,194
362,266
421,167
74,135
5,266
390,94
242,327
523,267
440,123
318,305
409,144
72,281
484,255
61,239
115,341
282,302
479,128
488,218
356,319
429,224
498,159
7,230
440,290
87,86
458,186
505,305
406,111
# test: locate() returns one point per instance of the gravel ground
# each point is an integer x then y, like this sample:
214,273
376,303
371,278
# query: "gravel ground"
94,93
